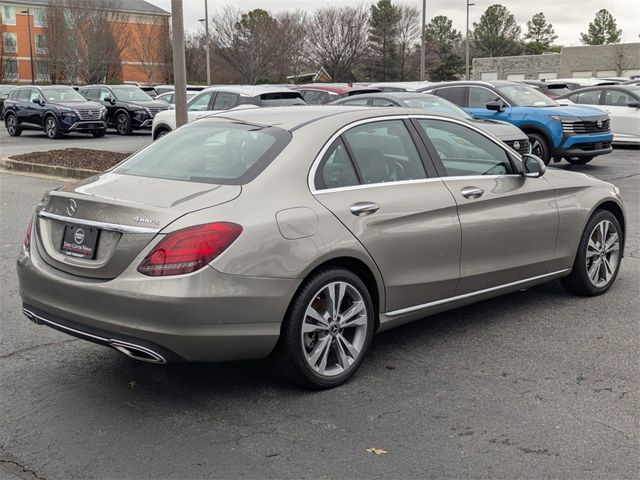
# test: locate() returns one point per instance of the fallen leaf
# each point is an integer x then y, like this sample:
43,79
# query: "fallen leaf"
132,384
377,451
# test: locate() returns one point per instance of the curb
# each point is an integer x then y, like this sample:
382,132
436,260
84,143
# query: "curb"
53,170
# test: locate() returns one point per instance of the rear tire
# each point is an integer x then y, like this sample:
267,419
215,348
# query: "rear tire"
11,123
597,261
322,346
578,161
162,133
540,147
51,127
98,133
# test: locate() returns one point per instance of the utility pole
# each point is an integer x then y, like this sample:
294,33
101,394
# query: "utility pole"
33,78
179,66
206,34
423,39
466,49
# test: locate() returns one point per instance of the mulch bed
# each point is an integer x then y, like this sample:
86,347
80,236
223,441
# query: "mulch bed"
98,160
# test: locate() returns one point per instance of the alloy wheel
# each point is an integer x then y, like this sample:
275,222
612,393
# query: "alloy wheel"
51,127
536,148
603,253
11,124
334,329
122,124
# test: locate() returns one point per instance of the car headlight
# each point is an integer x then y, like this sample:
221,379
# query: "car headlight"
103,112
140,114
68,115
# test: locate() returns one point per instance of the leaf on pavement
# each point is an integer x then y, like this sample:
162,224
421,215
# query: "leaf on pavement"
377,451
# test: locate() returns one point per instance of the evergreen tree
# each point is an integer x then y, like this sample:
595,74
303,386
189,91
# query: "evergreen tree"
496,34
383,32
602,31
443,45
540,34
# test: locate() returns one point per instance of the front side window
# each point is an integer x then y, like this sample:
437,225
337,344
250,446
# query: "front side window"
336,169
225,101
384,152
464,151
479,97
10,42
209,152
8,15
201,102
616,98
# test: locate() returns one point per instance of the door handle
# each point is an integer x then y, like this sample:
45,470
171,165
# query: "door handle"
362,209
472,192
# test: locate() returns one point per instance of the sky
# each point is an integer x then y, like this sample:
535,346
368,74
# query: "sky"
569,17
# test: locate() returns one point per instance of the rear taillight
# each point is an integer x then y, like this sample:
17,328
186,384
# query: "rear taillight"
27,236
189,249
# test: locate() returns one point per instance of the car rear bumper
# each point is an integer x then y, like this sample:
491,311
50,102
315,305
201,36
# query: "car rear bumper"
204,316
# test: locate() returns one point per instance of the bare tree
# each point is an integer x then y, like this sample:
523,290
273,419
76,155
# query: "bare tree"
292,36
194,53
85,41
145,45
337,39
620,59
408,35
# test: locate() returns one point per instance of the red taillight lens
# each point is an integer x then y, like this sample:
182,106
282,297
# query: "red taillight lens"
27,236
189,249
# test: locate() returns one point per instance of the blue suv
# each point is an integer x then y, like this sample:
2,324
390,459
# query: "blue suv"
575,133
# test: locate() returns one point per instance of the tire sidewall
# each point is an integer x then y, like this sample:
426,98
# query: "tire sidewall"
127,130
580,264
295,317
56,131
545,154
16,129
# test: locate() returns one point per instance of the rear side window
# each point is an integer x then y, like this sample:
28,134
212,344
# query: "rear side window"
336,169
315,97
464,151
24,95
209,152
592,97
384,152
453,94
356,101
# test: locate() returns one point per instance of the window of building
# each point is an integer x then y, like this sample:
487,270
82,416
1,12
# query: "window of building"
605,73
515,76
41,43
42,71
39,17
10,42
8,15
10,69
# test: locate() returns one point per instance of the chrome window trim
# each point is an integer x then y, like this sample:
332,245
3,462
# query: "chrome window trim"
113,227
316,163
435,303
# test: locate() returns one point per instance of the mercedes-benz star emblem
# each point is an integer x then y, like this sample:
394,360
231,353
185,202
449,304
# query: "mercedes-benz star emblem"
599,123
78,237
516,145
72,207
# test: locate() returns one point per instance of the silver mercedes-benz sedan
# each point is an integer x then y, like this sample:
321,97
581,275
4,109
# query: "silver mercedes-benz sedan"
299,232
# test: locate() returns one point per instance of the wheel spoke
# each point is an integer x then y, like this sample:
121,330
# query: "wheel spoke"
355,309
319,350
608,270
313,313
322,368
592,248
336,293
310,328
342,355
612,244
594,271
353,351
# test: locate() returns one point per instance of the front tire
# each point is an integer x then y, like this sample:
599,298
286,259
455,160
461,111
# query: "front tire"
98,133
578,161
51,127
11,122
123,124
540,147
597,262
327,330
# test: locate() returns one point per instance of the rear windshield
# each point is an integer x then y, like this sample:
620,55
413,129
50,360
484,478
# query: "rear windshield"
206,152
279,99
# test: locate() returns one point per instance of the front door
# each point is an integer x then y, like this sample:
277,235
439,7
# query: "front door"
509,222
375,182
476,105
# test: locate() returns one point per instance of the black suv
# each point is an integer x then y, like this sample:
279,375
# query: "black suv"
129,107
4,93
56,109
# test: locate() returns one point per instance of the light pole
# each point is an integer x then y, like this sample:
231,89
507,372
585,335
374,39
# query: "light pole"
33,80
179,68
423,39
466,49
206,35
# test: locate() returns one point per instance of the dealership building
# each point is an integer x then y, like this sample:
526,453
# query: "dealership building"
619,60
24,52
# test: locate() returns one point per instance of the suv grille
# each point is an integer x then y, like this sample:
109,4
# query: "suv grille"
89,114
584,126
154,110
523,145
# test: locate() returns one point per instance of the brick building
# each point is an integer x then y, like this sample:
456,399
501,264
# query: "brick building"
143,30
572,62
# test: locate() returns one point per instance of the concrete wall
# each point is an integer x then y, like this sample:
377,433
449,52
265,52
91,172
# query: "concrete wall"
586,61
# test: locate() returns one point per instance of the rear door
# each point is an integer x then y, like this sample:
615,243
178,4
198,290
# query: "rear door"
374,179
509,222
625,120
22,107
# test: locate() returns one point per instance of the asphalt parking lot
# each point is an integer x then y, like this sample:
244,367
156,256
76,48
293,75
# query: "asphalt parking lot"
34,141
536,384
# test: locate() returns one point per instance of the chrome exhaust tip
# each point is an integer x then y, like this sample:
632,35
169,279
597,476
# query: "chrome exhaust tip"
137,352
31,316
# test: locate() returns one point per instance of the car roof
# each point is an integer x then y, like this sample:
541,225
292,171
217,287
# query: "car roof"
623,88
340,89
399,96
462,83
294,117
247,90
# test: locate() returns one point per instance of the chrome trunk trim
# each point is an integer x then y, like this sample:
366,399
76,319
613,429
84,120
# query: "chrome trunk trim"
101,225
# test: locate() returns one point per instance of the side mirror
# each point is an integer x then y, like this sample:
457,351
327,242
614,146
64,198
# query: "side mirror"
37,101
633,104
533,167
110,100
495,105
